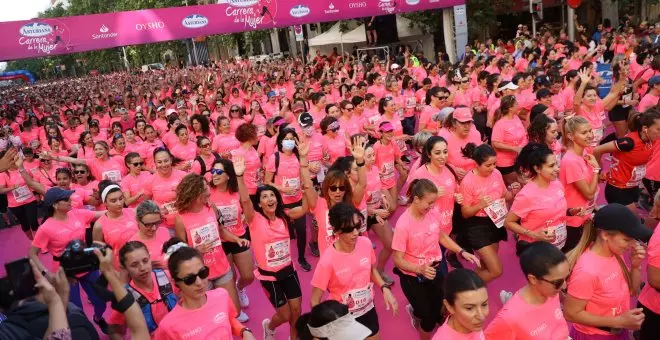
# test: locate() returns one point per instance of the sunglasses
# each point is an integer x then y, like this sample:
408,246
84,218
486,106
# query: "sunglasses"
192,278
442,97
336,188
217,171
204,146
348,230
80,172
152,224
234,110
350,108
138,164
557,284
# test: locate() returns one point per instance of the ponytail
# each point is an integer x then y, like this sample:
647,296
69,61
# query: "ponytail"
569,126
637,120
420,187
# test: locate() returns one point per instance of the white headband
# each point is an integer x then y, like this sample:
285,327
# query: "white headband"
173,248
330,329
107,189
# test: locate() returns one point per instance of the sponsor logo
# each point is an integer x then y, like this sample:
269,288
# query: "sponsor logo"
105,33
154,25
362,4
36,29
387,6
195,21
364,261
331,9
412,2
220,317
299,11
242,3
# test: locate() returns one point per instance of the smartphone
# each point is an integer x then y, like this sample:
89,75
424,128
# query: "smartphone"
22,279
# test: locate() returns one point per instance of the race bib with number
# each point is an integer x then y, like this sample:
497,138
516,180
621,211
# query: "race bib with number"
168,208
374,198
113,175
402,145
497,211
410,102
598,136
387,171
636,176
277,253
363,227
560,233
399,112
359,301
207,233
22,193
291,183
229,215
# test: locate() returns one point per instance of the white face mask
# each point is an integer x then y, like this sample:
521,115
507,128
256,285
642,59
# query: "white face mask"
288,144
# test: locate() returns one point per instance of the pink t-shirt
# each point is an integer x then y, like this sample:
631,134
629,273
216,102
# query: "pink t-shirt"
350,125
252,175
653,166
163,192
574,168
521,321
155,244
53,235
648,101
223,144
116,232
112,169
22,194
213,321
133,184
202,227
595,115
512,133
326,236
444,205
347,276
288,175
373,193
445,332
271,245
334,148
425,118
386,156
541,208
417,239
229,205
455,144
183,152
473,187
650,297
599,281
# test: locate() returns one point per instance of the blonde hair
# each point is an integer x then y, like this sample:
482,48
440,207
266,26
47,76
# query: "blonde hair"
589,237
569,126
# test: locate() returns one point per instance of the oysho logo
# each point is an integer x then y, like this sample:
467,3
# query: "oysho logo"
36,29
195,21
220,317
299,11
362,4
412,2
242,3
331,9
154,25
105,33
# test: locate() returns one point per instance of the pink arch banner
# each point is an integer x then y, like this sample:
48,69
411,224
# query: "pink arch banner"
65,35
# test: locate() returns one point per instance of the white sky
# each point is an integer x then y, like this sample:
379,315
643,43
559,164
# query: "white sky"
11,10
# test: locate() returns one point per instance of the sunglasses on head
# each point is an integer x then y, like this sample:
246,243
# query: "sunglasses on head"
336,188
192,278
557,284
217,171
152,224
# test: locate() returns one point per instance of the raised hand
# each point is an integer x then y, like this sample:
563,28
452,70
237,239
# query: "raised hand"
239,165
358,145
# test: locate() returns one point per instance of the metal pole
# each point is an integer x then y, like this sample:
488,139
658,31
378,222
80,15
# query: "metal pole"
570,13
193,43
533,26
128,68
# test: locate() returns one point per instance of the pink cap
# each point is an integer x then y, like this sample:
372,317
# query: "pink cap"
463,114
386,127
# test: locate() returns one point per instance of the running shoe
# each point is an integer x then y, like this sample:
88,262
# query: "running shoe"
268,334
242,317
413,320
304,265
505,296
243,297
314,249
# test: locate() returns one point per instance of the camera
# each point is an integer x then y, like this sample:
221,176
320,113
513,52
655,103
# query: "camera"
78,259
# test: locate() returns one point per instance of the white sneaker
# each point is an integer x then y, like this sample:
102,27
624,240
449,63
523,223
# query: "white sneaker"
413,319
268,334
505,296
242,317
243,297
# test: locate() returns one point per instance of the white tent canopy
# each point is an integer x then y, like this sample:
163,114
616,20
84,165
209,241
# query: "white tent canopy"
335,37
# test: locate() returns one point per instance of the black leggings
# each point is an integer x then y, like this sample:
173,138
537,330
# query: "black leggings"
652,187
27,216
651,325
298,230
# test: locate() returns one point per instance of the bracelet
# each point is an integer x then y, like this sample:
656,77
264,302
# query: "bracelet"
382,288
596,170
245,329
360,165
239,175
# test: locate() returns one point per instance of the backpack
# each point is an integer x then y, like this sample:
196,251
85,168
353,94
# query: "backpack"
202,165
167,296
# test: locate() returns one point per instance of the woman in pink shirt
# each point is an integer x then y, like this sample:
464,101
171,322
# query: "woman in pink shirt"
162,187
334,142
544,130
652,97
118,224
203,162
200,127
85,146
485,199
347,272
586,103
601,284
649,298
132,141
133,183
200,313
183,148
459,130
466,302
197,224
388,159
246,134
225,140
151,231
21,200
539,210
509,136
436,99
417,255
148,147
102,166
534,311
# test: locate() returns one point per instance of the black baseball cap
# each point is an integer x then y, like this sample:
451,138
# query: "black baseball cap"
305,119
617,217
542,93
543,80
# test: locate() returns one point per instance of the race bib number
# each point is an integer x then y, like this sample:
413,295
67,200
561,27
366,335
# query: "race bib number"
560,233
374,198
402,145
359,301
399,112
363,227
259,177
229,215
22,193
168,208
497,211
636,176
277,253
387,171
598,136
207,233
373,119
113,175
410,102
291,183
261,130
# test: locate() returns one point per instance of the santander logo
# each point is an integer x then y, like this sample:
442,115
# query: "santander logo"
412,2
105,33
103,29
195,21
36,29
331,9
299,11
